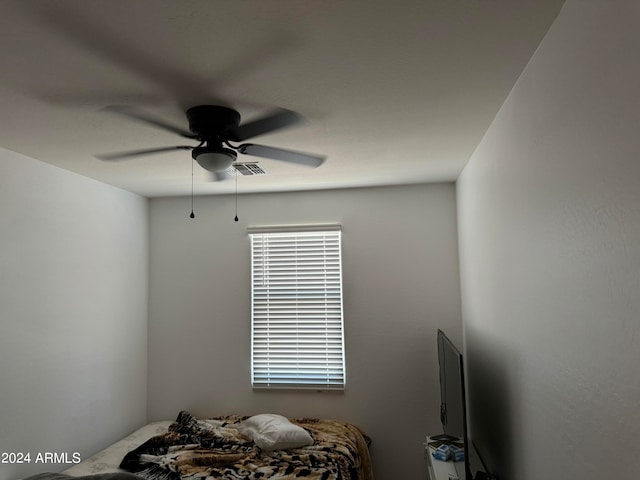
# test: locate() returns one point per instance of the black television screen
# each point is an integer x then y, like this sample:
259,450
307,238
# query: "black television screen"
452,399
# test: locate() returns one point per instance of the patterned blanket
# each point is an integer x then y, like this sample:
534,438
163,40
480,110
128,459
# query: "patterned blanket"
214,449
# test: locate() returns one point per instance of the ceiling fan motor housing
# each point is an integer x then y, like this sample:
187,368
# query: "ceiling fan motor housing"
209,121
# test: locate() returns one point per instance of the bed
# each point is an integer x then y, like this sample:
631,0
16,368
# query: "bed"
259,447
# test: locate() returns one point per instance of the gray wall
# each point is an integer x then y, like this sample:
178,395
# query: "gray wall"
73,300
549,228
400,271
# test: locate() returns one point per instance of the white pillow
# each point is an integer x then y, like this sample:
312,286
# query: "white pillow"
274,432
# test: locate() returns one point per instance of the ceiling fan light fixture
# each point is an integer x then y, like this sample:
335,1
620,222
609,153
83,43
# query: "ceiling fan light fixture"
214,159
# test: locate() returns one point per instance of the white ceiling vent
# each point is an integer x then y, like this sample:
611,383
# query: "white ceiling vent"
246,168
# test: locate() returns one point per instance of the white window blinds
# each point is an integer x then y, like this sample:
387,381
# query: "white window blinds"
297,327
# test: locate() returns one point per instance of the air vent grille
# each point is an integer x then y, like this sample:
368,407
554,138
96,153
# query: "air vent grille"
247,168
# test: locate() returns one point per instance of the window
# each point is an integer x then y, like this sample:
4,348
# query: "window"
296,321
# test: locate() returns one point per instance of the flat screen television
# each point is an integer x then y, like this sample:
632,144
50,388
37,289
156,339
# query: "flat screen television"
453,413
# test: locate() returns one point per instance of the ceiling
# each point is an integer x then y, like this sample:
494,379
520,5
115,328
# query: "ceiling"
393,92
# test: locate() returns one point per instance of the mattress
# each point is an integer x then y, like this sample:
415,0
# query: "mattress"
108,460
221,447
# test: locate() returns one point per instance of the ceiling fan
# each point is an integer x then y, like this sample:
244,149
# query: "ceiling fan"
215,126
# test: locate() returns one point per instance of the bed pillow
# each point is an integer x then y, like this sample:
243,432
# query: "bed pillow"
274,432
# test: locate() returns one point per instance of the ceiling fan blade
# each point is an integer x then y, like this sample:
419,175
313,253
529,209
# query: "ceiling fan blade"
275,120
144,117
139,153
301,158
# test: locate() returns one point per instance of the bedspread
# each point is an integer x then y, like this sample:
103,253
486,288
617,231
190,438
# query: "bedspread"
205,449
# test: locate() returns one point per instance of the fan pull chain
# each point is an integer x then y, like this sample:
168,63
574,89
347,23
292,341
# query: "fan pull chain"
236,219
193,215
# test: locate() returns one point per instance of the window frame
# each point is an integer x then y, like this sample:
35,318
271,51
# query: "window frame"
308,368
